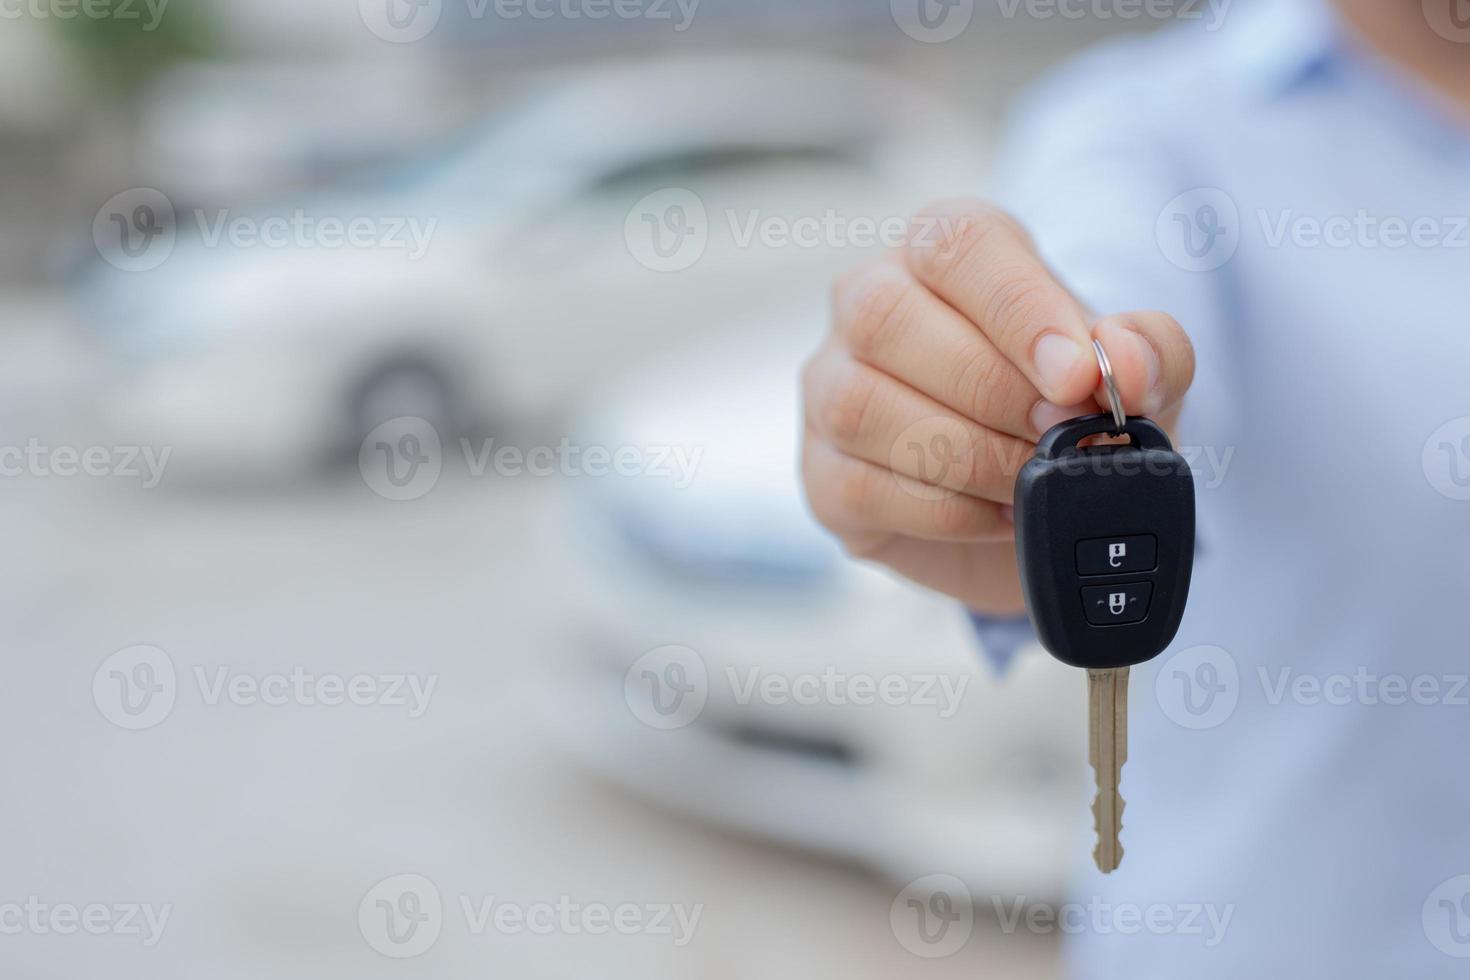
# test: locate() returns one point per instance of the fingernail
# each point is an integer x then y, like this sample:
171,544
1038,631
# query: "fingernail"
1045,414
1057,358
1008,513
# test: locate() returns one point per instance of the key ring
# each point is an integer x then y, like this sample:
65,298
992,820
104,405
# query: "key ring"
1115,400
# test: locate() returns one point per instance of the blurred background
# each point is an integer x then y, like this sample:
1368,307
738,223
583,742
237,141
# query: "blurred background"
409,573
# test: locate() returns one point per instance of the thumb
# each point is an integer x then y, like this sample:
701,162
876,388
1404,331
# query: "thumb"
1152,359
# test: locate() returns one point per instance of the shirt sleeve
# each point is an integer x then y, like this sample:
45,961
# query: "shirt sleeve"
1002,637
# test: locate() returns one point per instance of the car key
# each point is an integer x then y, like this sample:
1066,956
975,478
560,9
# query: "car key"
1105,546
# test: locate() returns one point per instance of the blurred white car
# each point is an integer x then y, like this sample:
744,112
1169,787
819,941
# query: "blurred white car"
623,206
685,599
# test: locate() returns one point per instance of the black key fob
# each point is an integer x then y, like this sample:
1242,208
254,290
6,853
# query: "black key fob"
1105,542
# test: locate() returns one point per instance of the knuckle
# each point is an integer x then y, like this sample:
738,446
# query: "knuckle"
877,306
947,241
858,494
1013,296
979,379
850,405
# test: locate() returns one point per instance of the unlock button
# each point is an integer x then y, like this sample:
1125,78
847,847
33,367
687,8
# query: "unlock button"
1114,556
1114,605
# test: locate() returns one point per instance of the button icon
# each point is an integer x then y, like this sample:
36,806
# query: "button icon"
1111,556
1117,605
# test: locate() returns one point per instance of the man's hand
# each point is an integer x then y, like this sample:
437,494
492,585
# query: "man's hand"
946,362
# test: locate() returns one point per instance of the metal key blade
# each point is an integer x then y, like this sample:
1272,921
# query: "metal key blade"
1107,724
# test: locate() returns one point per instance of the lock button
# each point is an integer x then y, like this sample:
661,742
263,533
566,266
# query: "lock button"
1123,554
1116,605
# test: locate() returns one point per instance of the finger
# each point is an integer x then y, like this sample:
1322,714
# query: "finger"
982,575
871,416
885,318
858,500
1152,359
983,264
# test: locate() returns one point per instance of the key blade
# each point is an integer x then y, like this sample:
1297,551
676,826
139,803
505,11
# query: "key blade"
1107,724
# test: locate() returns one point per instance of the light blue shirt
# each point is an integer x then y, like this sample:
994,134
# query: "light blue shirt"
1300,757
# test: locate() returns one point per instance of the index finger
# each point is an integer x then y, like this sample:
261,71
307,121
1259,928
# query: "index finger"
981,262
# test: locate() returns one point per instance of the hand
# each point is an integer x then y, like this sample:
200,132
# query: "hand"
945,363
